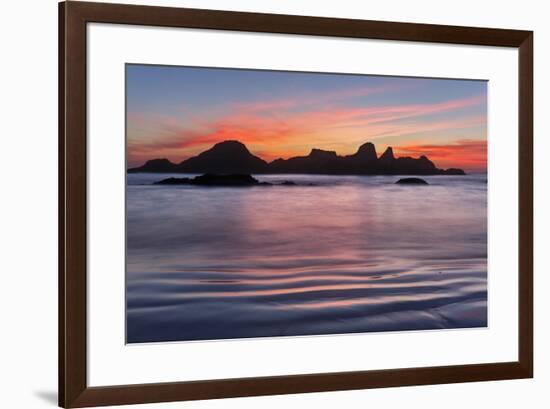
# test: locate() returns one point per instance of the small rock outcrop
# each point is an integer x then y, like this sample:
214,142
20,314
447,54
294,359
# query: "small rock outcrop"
215,180
411,181
212,180
156,166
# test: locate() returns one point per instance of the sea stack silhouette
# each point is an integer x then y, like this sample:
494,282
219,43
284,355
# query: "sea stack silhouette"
224,157
233,157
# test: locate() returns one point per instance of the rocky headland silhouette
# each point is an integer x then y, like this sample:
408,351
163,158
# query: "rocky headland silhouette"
233,157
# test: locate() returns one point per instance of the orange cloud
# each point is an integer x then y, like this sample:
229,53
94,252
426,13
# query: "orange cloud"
289,127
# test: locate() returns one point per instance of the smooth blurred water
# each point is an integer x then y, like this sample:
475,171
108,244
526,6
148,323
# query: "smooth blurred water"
350,254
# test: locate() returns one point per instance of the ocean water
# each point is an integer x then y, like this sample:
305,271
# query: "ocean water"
349,254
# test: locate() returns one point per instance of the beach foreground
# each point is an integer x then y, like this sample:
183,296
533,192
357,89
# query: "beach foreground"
331,255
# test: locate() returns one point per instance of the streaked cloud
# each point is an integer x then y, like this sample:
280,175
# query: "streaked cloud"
336,119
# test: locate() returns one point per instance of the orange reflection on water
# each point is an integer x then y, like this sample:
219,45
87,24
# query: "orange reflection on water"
328,287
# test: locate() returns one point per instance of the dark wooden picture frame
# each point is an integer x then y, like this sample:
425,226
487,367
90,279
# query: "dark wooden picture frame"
73,388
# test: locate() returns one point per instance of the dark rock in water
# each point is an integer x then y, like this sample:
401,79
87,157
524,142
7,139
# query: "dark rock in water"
317,162
453,171
225,180
321,154
288,183
210,179
387,156
411,181
155,166
367,152
228,157
213,180
175,181
364,161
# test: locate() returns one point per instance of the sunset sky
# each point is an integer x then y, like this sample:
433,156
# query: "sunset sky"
178,112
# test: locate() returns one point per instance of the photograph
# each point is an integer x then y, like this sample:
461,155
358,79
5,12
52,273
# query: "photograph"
265,203
275,204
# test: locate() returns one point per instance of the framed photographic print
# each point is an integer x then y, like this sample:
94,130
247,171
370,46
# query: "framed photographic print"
255,204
